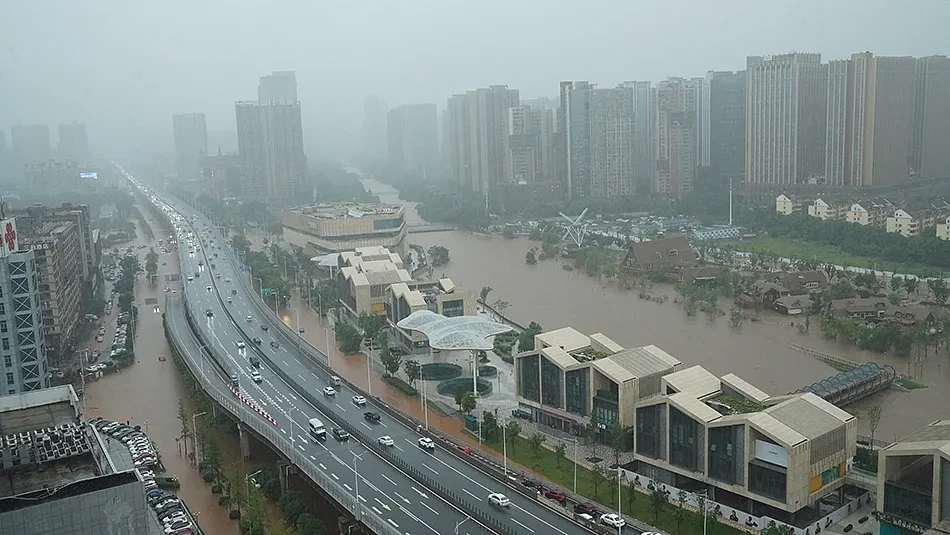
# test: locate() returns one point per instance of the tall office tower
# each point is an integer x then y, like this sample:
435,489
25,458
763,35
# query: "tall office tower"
727,123
21,324
869,120
270,143
74,142
30,143
53,177
837,135
599,140
702,120
191,143
412,137
278,86
786,101
545,113
478,137
931,157
678,115
374,126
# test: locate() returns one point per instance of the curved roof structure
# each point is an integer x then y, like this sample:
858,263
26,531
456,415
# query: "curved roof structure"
459,332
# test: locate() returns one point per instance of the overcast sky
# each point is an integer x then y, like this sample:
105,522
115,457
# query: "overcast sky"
124,67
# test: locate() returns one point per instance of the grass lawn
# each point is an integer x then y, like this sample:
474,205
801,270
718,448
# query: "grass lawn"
910,385
435,407
546,464
826,254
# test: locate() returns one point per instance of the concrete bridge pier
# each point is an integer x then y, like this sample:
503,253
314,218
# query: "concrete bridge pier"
285,469
244,440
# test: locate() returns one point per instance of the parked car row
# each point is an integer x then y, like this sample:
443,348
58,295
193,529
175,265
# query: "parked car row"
140,447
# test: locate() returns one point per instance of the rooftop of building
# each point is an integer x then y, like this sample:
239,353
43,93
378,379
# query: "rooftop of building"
375,258
933,437
347,210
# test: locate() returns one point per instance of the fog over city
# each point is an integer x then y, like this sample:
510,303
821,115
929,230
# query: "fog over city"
123,68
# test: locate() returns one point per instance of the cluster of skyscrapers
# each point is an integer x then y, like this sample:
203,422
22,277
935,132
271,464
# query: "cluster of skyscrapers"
786,120
34,165
270,165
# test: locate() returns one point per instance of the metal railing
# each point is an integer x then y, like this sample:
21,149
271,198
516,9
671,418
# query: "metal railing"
217,389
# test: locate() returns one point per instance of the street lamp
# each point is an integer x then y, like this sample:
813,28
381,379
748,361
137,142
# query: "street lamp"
619,500
575,465
289,413
297,317
194,432
464,520
247,486
369,365
705,495
356,482
260,283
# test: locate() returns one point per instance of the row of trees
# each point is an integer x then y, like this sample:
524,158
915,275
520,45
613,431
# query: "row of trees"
857,239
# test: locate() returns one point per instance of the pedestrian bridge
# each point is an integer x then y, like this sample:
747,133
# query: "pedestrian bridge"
862,479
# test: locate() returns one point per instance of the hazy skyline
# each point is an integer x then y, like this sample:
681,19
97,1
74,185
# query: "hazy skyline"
127,68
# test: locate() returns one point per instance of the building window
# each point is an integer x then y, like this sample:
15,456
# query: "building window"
8,361
552,381
528,378
578,396
9,378
724,454
650,431
685,438
3,326
767,480
6,344
453,308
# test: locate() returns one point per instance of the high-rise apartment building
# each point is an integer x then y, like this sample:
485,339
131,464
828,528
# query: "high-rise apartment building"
869,122
30,143
679,114
477,137
77,214
59,268
23,349
374,126
52,177
191,143
412,136
598,131
530,144
74,142
932,117
545,109
222,174
644,157
270,143
278,86
727,122
786,102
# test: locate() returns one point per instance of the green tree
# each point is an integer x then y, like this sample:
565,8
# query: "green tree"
438,255
183,419
526,337
560,453
391,361
774,529
370,324
597,477
939,289
658,500
468,402
736,317
308,524
531,257
459,395
512,430
292,505
911,285
151,265
618,436
483,293
680,513
280,529
500,306
240,243
490,430
254,519
874,419
211,457
348,338
897,284
535,441
412,368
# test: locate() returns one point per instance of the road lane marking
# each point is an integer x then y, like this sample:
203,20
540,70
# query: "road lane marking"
302,439
395,525
387,479
285,362
430,469
429,508
301,447
362,499
522,525
302,378
334,476
323,466
314,375
312,458
284,431
396,494
378,512
366,426
420,493
347,487
470,494
341,408
397,447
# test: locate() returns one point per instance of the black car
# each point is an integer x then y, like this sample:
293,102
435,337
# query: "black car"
274,344
264,327
209,313
587,509
256,362
340,434
371,417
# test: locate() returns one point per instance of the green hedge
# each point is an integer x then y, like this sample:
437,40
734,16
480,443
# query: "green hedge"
401,385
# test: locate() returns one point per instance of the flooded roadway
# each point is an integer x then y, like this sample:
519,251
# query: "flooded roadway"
759,353
147,394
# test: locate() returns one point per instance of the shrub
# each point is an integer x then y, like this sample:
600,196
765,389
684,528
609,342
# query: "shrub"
207,476
401,385
271,489
216,489
224,500
234,514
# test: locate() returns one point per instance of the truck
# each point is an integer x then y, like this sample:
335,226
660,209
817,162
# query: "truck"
317,429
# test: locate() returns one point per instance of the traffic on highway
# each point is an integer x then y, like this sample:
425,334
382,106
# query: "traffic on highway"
313,409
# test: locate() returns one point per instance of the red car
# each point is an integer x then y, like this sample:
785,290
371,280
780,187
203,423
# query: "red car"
555,495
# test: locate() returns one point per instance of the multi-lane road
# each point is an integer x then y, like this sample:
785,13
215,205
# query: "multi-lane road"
384,489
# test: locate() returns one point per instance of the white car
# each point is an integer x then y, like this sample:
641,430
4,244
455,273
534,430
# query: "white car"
499,499
249,318
386,441
426,443
256,376
329,391
359,400
612,520
240,344
208,287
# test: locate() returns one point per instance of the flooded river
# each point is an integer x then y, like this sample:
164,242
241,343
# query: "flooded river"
759,352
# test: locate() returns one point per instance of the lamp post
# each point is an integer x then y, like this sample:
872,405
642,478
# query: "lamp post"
464,520
619,500
297,317
504,445
705,495
260,282
194,434
356,483
247,486
290,417
575,465
369,365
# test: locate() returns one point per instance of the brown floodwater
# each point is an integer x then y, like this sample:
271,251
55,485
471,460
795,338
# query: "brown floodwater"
147,394
759,352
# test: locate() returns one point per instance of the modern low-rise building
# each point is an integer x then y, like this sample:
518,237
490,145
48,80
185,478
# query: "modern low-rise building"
441,296
338,227
867,214
767,455
786,205
943,228
913,481
909,224
670,256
